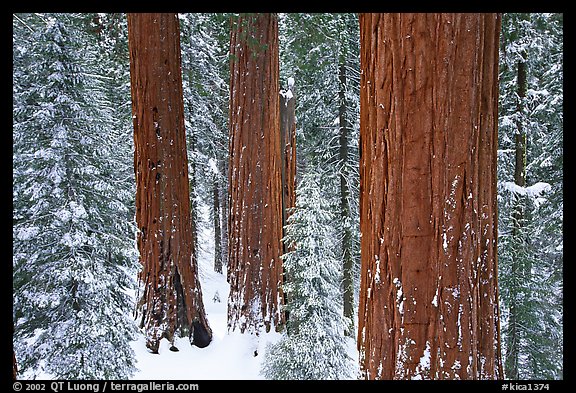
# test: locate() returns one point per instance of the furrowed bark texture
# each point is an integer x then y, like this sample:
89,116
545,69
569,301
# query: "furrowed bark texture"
428,209
172,296
255,220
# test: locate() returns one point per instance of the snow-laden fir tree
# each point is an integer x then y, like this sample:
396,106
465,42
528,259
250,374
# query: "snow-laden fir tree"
314,345
530,173
322,52
73,250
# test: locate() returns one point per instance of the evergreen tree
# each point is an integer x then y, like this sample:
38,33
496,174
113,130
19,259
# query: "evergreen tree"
314,345
321,52
530,211
73,253
111,38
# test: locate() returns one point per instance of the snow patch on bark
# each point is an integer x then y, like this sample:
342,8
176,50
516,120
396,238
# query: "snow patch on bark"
399,295
435,300
423,367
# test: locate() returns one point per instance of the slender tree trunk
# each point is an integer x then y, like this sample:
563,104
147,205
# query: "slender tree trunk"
518,273
14,366
172,296
345,215
216,221
288,143
288,137
193,202
223,191
255,222
428,208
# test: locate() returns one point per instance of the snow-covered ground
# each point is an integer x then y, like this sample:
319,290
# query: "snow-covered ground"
229,356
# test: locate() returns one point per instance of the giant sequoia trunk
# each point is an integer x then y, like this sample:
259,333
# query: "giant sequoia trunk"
428,213
171,297
255,220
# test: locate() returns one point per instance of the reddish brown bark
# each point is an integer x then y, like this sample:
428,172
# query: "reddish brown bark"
255,221
14,366
172,296
428,209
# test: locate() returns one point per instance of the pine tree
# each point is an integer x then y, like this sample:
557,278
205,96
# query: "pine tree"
314,345
111,39
73,254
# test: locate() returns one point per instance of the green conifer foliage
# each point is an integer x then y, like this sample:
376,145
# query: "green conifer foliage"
73,249
531,215
314,345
